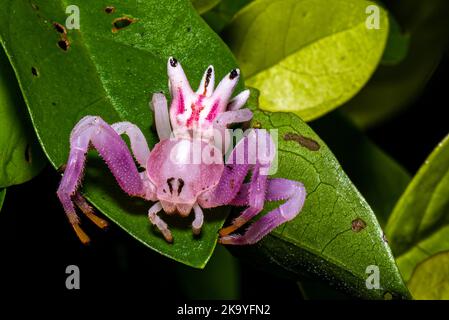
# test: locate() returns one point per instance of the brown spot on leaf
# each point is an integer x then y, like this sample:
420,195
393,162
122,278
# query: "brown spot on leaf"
59,28
358,225
64,44
109,9
121,23
28,157
306,142
35,6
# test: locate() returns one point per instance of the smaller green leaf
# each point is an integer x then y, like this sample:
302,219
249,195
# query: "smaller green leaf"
20,155
419,225
397,44
306,57
430,280
2,197
203,6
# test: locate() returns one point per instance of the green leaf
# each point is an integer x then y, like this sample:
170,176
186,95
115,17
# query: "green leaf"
375,174
430,280
113,75
393,88
307,57
203,6
336,236
2,197
419,225
21,157
397,44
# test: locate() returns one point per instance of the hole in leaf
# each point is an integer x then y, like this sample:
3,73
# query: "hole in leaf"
28,154
64,44
59,28
121,23
109,9
34,72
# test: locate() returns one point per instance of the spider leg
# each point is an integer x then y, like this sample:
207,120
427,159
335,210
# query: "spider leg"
238,101
235,116
198,221
207,84
94,131
158,222
159,106
139,144
277,189
256,200
243,158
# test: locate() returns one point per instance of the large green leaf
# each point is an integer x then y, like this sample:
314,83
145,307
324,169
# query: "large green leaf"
306,56
110,68
21,157
2,197
394,87
376,175
336,236
430,280
419,225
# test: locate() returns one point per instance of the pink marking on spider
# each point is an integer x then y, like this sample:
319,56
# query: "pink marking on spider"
213,112
180,102
174,184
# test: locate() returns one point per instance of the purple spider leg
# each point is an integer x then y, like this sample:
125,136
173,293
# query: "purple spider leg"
96,132
241,160
278,189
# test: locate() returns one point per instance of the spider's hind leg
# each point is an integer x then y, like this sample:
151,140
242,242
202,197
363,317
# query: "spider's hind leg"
96,132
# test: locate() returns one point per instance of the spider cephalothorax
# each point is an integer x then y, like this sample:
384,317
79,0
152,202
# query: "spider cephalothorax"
186,170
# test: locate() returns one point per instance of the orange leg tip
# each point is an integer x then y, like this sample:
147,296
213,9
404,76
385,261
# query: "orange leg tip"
228,230
101,223
168,236
84,238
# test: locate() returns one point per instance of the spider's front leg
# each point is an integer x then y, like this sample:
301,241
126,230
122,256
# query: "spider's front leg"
107,141
232,191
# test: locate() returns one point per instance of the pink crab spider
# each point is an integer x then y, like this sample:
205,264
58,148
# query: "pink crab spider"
176,187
